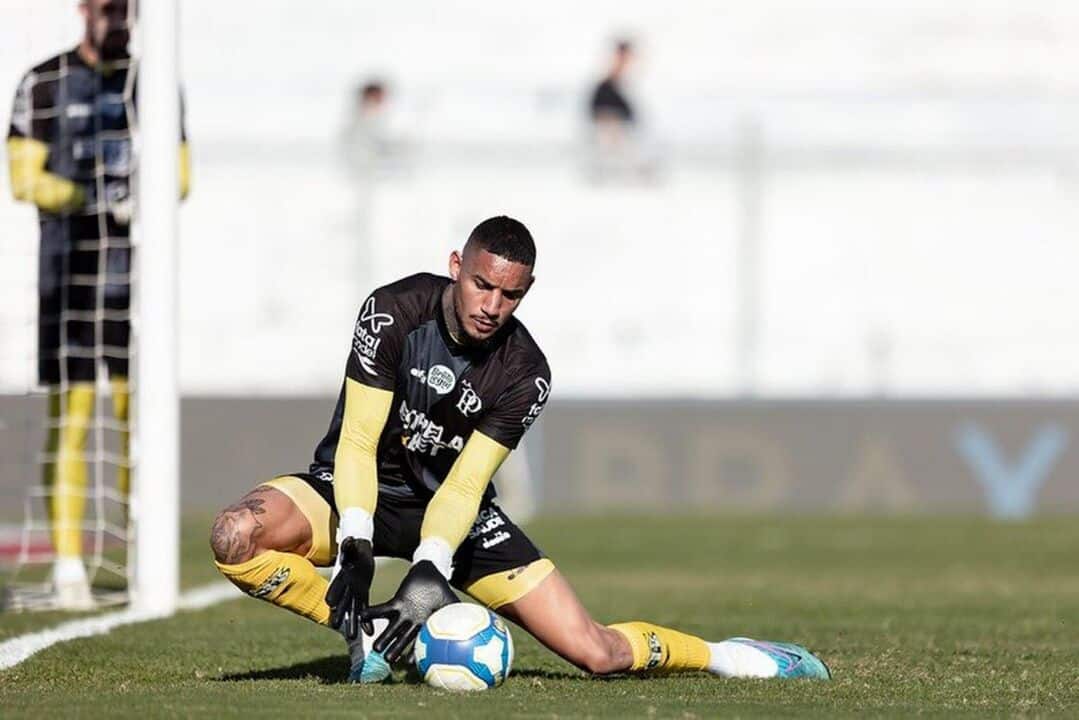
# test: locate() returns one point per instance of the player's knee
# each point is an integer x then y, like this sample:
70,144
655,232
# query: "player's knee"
232,537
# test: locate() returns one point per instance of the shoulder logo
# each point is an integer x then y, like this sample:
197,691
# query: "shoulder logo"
376,320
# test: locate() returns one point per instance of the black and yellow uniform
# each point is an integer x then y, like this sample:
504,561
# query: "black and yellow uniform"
71,155
421,424
442,392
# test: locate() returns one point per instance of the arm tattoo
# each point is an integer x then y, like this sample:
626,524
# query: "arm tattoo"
236,528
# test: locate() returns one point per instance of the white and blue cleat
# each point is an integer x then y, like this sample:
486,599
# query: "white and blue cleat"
792,661
366,665
372,669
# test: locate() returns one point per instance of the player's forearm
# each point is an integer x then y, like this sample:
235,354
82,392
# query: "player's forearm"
453,509
31,183
355,462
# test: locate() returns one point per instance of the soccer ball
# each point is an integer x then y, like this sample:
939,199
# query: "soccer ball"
464,647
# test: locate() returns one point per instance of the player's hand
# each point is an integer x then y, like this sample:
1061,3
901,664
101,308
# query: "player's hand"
423,591
351,586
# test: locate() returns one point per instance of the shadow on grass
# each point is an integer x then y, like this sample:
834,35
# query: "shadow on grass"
329,670
333,669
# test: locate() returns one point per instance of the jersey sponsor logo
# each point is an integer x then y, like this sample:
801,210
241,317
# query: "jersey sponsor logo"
470,402
544,389
376,320
423,435
439,378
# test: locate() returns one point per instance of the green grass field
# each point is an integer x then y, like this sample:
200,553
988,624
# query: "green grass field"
938,617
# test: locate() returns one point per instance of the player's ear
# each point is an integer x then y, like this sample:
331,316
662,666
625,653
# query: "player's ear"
455,265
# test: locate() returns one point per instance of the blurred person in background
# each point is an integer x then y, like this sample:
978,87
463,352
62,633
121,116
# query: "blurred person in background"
620,150
611,112
70,154
364,137
370,145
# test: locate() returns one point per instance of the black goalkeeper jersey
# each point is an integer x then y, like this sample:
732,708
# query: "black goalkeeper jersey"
84,115
443,391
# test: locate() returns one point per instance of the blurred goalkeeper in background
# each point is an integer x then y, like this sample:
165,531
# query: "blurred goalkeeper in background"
70,154
441,383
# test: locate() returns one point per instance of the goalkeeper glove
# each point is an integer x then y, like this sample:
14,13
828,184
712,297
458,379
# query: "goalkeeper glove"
423,591
350,589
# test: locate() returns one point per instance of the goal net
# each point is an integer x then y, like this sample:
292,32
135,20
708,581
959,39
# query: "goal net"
69,377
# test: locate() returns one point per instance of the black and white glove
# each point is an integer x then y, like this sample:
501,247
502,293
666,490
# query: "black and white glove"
350,589
423,591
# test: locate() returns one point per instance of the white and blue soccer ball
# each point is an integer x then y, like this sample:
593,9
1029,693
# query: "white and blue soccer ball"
464,647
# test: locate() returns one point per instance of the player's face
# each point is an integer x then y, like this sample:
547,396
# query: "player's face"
487,291
106,26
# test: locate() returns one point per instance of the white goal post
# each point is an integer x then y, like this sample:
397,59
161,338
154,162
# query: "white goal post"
156,452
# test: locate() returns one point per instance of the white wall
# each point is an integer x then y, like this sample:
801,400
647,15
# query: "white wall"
918,200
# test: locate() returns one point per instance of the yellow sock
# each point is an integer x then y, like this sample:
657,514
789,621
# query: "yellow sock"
662,650
286,580
66,474
120,403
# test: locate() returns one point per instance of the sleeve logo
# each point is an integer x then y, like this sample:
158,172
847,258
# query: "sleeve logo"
364,342
544,388
377,320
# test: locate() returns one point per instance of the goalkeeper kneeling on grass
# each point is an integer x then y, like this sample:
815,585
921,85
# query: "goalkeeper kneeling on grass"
440,384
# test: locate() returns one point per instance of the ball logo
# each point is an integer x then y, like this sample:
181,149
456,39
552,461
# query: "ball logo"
441,379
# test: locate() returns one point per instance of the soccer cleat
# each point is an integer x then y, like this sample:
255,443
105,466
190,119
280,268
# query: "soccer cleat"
365,665
792,661
373,669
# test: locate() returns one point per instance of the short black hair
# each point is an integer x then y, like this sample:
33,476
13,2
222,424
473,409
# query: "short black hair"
505,237
370,89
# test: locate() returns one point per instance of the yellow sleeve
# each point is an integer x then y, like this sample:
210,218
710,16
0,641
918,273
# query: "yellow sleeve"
30,182
454,507
355,475
185,170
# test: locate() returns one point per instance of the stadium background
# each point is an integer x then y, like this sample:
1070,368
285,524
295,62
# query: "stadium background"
846,287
